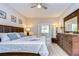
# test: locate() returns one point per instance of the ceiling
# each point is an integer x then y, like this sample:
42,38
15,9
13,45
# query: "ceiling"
54,9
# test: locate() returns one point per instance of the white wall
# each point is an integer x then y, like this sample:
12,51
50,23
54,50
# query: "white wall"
34,22
58,20
10,11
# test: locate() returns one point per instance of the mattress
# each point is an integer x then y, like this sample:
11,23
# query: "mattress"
25,45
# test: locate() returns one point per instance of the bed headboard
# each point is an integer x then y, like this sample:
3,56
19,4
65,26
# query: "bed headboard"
7,29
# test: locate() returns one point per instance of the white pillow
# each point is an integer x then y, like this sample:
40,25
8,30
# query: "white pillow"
4,37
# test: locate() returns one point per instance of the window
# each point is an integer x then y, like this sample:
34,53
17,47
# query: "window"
44,28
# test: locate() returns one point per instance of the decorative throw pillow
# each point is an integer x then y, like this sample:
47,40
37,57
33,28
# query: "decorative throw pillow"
17,34
12,36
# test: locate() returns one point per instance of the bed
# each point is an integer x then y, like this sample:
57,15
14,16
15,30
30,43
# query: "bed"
23,45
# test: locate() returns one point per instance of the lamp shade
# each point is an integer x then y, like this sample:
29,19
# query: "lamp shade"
28,29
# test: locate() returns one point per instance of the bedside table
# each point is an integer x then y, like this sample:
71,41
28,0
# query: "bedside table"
54,40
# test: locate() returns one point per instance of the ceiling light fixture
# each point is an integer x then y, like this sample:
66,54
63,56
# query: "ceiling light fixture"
38,6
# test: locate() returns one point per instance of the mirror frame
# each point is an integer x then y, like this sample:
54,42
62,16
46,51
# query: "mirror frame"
70,16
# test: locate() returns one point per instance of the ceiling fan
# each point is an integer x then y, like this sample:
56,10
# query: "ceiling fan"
39,5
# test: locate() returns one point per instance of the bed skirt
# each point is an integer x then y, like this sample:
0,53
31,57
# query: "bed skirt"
18,54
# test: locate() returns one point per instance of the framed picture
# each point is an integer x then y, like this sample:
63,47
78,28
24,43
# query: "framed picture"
2,14
13,19
20,21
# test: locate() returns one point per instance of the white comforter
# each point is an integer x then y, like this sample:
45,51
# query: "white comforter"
25,45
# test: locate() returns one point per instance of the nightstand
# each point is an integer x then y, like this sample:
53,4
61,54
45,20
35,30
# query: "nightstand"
54,40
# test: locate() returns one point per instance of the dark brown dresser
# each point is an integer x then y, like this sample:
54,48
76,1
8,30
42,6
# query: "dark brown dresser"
69,42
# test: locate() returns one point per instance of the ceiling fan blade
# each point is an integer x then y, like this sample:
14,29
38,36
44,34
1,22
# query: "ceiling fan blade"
43,6
33,6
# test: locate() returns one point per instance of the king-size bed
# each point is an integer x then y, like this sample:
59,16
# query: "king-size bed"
16,43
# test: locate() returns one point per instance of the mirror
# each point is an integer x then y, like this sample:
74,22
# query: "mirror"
71,22
71,25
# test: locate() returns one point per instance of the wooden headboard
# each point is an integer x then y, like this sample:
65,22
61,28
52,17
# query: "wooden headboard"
7,29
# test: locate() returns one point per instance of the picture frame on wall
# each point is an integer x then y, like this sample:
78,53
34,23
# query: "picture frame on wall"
2,14
20,21
13,19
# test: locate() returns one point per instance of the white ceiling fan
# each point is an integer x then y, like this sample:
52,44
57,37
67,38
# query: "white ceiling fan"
39,5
